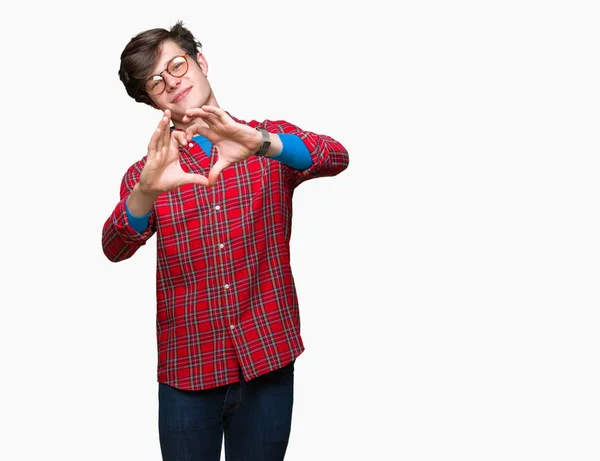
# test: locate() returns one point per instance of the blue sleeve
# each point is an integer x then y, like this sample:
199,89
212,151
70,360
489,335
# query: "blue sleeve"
139,223
294,152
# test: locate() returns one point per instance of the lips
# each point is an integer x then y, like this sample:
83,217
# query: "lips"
181,95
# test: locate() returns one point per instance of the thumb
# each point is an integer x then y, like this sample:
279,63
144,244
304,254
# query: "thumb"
197,179
215,171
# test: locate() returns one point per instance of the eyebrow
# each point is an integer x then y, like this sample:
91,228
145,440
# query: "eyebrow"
164,66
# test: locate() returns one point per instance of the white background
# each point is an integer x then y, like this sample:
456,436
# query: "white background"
448,279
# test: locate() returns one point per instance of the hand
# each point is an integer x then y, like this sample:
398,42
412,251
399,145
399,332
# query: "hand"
162,171
234,141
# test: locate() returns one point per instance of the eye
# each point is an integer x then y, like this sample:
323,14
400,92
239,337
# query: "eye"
153,83
177,63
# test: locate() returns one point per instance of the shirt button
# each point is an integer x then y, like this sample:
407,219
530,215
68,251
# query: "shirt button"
191,144
226,285
232,327
217,208
221,246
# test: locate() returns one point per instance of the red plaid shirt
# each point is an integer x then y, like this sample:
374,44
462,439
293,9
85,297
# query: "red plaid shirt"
224,288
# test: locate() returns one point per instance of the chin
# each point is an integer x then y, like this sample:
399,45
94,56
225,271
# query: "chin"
188,103
179,109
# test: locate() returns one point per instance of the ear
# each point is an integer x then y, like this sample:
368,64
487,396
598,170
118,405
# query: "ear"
203,63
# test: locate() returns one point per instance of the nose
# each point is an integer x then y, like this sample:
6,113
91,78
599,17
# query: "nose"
170,81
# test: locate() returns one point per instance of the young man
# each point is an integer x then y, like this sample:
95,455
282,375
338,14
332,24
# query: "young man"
217,191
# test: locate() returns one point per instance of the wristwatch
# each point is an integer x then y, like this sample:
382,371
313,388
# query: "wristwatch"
266,142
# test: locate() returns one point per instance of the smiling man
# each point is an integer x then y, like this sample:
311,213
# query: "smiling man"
217,192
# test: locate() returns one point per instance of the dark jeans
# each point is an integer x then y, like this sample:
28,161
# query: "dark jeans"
254,416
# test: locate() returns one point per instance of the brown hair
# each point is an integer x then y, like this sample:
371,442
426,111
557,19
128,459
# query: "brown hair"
138,59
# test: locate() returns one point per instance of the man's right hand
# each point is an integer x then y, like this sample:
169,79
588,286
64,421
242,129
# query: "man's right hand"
162,171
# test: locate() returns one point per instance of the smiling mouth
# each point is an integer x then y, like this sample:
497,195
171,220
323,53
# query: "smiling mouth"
182,95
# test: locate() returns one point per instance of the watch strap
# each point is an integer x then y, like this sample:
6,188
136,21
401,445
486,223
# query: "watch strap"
266,142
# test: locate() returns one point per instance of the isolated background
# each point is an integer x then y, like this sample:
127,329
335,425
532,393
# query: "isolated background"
448,279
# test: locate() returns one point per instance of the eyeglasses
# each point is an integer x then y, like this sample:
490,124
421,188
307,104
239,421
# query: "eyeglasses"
177,67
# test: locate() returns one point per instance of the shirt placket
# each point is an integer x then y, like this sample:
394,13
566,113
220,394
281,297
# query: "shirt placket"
225,280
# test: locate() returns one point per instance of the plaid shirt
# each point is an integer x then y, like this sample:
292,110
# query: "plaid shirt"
225,292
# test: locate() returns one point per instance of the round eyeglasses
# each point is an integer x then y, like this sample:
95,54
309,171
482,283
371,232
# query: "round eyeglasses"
177,67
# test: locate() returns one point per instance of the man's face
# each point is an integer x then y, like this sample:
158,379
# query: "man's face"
189,91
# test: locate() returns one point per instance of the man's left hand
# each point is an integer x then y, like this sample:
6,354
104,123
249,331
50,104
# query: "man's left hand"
234,141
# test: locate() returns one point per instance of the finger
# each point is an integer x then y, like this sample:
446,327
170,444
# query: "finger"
197,179
192,113
193,130
216,170
174,143
179,137
212,120
167,129
161,132
217,111
153,144
208,117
